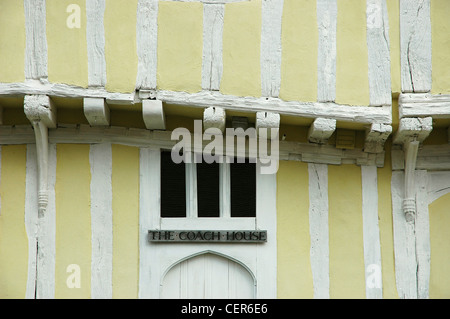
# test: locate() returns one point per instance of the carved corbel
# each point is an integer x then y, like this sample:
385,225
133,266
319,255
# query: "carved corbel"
41,112
321,130
411,132
376,136
214,117
96,111
153,114
269,121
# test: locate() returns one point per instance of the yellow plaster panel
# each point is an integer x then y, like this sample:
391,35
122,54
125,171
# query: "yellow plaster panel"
352,80
293,239
440,30
294,133
180,46
393,7
12,41
241,49
13,236
438,136
440,247
120,45
176,121
73,219
67,48
395,114
299,38
347,278
125,204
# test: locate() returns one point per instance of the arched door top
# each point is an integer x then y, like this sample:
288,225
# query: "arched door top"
208,274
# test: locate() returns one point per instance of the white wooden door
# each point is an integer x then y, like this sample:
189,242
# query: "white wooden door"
208,276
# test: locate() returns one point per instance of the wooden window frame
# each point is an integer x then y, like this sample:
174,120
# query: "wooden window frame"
224,221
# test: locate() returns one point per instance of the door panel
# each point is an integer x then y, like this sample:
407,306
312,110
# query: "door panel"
208,276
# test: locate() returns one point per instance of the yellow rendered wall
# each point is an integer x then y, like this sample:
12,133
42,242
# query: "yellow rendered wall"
120,45
67,48
241,49
347,278
13,236
12,41
440,247
294,275
440,40
299,38
352,81
180,46
73,219
125,189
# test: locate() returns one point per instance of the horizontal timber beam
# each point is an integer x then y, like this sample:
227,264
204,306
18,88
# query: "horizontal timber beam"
295,151
424,104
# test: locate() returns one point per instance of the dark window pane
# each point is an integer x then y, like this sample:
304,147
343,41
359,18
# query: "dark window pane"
243,189
208,189
173,187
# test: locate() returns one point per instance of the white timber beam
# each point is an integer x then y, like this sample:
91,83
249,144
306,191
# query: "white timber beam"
371,232
320,130
206,98
288,150
340,112
271,16
269,121
95,37
34,87
153,114
214,117
424,104
376,136
319,229
96,111
212,64
379,62
146,43
415,45
36,57
326,58
100,160
41,112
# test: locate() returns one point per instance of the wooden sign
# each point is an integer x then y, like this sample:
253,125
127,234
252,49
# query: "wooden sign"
208,236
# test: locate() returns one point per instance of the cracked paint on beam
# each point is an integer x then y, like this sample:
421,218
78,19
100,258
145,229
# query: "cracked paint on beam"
415,45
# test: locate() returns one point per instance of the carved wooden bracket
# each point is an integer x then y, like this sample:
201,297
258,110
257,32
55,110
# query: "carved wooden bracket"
41,112
321,130
153,114
214,117
376,136
411,132
267,120
96,111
